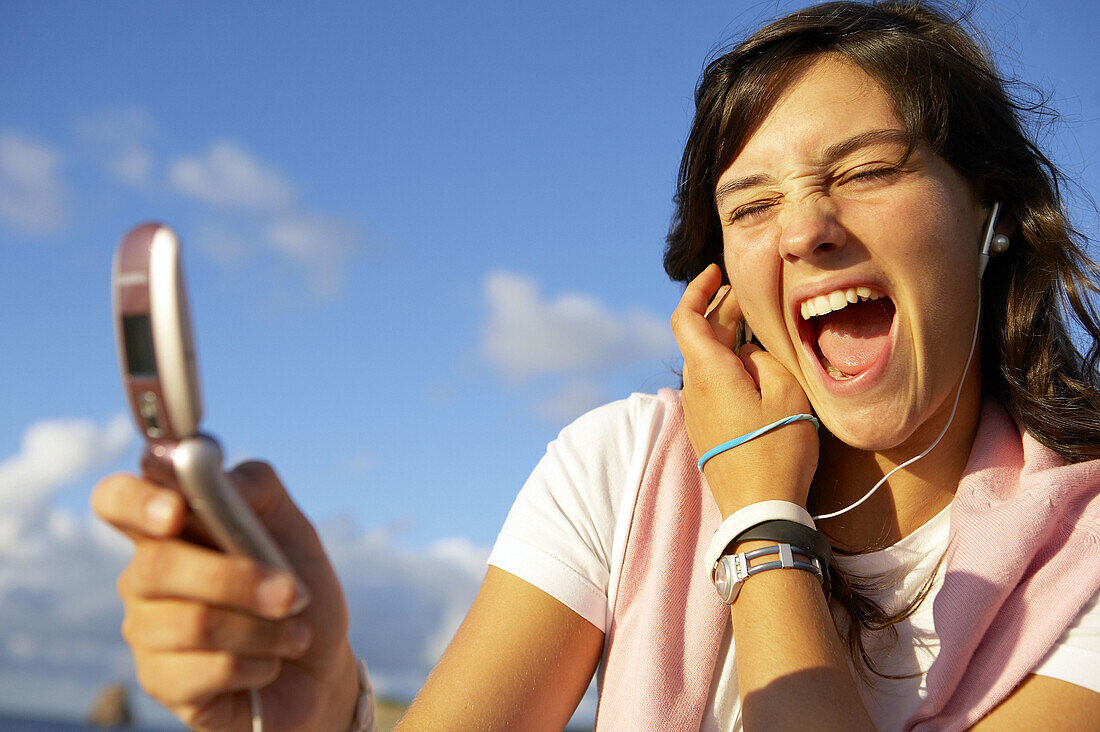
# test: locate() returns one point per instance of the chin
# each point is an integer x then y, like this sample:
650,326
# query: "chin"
872,430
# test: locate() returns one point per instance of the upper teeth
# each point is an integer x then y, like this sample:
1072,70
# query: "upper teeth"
836,300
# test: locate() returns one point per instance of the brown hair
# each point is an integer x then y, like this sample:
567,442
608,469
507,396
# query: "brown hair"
948,93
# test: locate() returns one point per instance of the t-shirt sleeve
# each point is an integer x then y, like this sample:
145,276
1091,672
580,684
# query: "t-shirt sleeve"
565,525
1076,656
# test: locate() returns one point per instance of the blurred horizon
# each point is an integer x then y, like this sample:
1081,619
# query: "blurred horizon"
420,238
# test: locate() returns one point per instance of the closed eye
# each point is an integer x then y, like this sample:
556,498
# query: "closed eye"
749,211
871,174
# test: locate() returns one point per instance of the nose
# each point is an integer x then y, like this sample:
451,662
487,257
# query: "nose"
809,228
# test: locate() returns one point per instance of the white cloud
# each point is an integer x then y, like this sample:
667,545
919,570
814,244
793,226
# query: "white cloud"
527,335
133,165
59,451
571,400
119,138
321,246
462,555
115,127
406,604
60,616
360,463
252,202
32,195
53,454
222,244
58,611
227,175
312,247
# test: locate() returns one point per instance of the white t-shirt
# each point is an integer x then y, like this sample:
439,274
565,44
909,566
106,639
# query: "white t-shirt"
566,534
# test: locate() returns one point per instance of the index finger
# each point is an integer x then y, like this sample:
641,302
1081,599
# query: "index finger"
692,328
137,506
724,316
701,289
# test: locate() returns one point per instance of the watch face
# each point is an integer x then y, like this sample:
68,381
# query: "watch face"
722,579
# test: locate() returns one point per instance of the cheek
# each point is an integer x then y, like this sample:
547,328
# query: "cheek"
741,262
751,263
942,233
754,275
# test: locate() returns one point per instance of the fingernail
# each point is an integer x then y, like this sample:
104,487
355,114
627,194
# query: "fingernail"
159,511
275,592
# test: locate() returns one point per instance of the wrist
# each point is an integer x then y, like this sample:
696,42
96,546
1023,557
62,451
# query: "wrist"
340,710
733,490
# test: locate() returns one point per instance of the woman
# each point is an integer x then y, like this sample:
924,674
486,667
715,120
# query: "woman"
854,177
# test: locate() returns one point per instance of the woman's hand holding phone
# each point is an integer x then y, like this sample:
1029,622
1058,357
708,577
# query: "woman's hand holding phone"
205,627
729,394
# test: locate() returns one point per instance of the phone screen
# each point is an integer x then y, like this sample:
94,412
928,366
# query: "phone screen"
138,332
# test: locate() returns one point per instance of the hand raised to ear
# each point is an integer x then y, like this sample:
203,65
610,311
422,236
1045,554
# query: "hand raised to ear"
705,326
729,394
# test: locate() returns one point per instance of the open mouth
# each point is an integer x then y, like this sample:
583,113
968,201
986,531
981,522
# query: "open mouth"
848,329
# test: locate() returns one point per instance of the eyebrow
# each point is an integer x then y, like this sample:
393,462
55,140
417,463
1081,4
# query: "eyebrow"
833,153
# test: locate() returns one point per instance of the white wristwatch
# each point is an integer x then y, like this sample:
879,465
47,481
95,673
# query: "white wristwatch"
364,706
733,569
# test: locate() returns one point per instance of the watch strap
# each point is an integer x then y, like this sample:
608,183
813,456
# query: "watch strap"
744,519
812,542
736,568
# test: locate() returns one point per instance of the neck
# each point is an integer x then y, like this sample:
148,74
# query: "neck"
911,496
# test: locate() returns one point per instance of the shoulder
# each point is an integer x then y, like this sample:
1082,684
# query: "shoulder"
566,530
611,438
638,413
603,452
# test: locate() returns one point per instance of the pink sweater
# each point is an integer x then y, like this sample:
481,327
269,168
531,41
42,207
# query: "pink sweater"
1024,559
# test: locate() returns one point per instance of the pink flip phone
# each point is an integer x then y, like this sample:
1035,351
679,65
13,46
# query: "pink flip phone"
160,376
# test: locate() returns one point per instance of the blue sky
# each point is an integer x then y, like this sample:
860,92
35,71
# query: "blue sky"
420,237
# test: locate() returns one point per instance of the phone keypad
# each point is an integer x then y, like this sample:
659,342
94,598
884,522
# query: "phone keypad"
147,404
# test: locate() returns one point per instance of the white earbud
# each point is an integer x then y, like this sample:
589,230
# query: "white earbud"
997,244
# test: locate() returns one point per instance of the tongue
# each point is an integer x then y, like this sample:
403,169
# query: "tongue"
853,338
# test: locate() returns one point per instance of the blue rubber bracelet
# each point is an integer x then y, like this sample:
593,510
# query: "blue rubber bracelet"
754,434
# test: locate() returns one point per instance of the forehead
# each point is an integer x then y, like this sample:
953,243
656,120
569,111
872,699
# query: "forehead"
829,99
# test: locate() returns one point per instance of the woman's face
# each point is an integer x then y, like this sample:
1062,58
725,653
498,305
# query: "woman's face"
821,208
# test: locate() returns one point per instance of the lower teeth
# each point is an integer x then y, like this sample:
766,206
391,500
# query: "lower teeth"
835,372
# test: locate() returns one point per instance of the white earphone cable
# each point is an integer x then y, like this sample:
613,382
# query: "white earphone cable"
958,393
257,710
